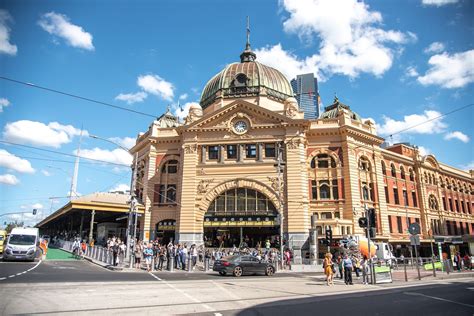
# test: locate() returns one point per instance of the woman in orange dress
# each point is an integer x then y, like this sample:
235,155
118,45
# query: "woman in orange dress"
328,271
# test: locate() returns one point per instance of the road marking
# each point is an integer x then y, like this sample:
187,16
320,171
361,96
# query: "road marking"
230,293
192,298
20,273
437,298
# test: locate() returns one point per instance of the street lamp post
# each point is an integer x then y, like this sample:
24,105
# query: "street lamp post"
133,199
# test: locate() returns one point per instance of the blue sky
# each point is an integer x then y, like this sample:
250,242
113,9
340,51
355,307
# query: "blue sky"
396,62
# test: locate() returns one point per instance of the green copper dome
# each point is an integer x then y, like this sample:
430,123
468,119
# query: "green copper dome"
247,78
332,111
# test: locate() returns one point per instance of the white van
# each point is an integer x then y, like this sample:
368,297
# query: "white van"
22,244
384,252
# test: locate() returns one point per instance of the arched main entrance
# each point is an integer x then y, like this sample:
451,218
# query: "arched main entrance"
241,217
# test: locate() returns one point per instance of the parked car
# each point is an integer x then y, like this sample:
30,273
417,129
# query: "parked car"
238,265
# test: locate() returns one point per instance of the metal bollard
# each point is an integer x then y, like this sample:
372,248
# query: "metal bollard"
277,268
206,264
152,264
405,270
433,265
190,264
171,263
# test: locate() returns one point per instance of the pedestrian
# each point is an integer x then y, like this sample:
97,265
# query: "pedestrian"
340,266
328,269
356,264
457,261
194,255
365,270
162,257
184,257
467,262
138,255
347,262
148,254
287,257
83,248
115,251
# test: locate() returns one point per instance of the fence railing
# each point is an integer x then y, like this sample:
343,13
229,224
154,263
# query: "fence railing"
97,253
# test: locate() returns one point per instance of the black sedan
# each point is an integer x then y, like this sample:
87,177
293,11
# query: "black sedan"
238,265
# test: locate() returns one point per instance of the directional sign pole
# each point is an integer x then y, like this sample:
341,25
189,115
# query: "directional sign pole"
417,263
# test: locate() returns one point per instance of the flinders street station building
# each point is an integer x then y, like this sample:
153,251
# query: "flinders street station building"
246,166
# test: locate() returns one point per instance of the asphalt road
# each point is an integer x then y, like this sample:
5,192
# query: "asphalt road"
84,271
451,298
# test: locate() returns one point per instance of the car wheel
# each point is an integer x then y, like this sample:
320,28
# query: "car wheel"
269,271
222,273
237,271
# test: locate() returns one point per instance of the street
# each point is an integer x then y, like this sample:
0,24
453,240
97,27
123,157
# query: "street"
80,287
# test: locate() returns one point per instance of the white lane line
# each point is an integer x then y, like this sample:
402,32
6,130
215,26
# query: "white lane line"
437,298
192,298
230,293
20,273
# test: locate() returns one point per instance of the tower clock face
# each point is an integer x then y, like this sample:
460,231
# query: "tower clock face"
240,126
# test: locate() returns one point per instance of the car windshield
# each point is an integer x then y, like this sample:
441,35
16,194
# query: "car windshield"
22,240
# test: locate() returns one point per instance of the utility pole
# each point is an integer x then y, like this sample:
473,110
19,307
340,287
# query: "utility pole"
280,203
131,212
73,191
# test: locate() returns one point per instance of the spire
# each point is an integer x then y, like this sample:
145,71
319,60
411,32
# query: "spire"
247,55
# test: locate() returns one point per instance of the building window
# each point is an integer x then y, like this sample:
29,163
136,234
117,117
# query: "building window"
314,190
412,175
402,173
394,171
335,191
213,152
462,207
270,151
365,193
231,151
399,225
326,215
323,161
450,205
364,164
170,166
251,150
405,197
395,196
386,195
457,205
444,204
166,194
390,226
413,197
384,169
324,191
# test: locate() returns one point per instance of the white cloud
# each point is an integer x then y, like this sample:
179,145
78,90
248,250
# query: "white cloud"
12,162
131,98
37,206
156,85
457,135
5,46
3,103
450,71
46,173
468,166
352,40
182,111
438,3
184,96
411,72
120,187
424,151
37,133
117,155
127,142
434,48
9,179
413,121
59,25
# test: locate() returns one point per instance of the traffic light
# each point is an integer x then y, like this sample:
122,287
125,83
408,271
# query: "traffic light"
372,217
34,211
363,222
329,235
372,232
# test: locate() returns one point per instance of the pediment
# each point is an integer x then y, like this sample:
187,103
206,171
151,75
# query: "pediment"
223,118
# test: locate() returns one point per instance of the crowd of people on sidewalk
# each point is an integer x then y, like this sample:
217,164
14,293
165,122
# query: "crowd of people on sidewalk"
343,266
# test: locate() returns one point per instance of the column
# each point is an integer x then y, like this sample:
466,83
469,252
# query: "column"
203,153
91,231
259,152
221,153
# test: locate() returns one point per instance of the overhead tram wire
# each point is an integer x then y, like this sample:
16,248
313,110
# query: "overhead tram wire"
31,85
64,154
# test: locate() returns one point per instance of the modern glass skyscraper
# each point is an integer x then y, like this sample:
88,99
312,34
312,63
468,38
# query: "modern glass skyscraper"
306,92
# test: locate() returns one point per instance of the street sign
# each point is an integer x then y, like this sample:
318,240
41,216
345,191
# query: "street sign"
414,228
414,240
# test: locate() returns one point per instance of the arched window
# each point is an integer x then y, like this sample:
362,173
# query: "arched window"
242,201
412,174
364,164
402,172
432,203
170,167
323,161
324,192
393,170
384,168
365,193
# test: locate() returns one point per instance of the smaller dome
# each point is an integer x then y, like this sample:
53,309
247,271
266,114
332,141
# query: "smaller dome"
195,106
291,100
332,111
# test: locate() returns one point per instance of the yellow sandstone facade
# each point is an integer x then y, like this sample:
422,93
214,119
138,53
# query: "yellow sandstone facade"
216,177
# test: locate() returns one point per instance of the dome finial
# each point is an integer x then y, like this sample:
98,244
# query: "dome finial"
247,55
